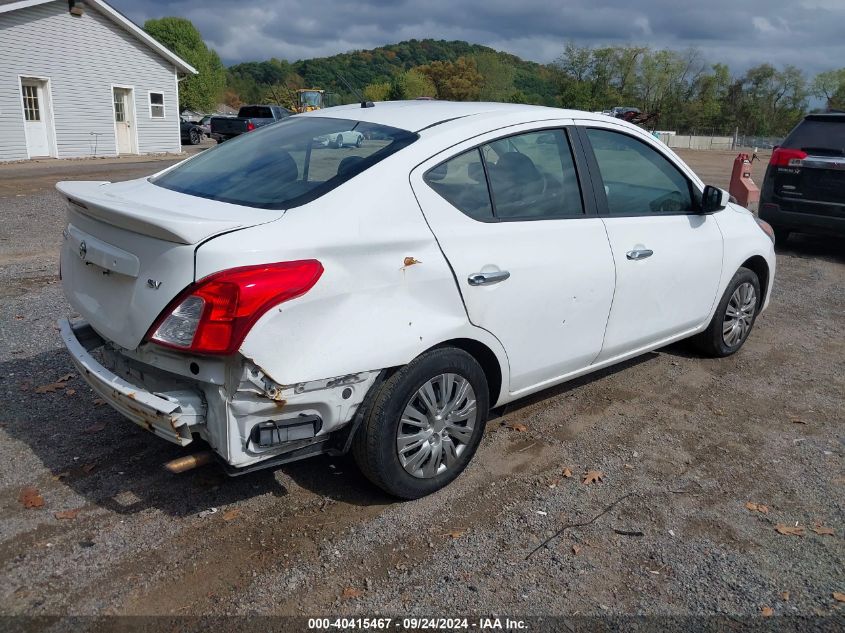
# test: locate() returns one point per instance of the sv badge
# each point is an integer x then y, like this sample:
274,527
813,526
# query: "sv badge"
152,283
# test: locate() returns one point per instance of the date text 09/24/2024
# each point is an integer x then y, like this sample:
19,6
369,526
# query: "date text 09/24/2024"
417,623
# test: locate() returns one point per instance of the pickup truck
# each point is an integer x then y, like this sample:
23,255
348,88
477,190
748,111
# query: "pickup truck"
249,117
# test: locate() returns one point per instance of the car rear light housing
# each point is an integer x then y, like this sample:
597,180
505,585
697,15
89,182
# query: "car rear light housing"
784,157
214,315
250,126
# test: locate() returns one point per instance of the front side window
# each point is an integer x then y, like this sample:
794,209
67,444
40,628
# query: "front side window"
531,177
637,179
156,105
287,164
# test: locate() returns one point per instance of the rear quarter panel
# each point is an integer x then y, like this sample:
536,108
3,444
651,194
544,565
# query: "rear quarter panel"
386,294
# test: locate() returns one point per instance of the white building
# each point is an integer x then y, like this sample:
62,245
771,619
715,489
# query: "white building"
78,78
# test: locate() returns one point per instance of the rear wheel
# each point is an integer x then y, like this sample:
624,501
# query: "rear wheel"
425,424
195,136
734,317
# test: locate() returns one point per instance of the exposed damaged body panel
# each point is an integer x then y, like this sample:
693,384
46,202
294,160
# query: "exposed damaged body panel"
232,404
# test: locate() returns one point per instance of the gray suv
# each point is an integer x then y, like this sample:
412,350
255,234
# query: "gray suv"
804,187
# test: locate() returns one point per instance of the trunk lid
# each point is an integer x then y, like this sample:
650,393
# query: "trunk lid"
129,250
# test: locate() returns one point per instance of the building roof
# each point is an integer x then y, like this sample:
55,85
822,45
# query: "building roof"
118,18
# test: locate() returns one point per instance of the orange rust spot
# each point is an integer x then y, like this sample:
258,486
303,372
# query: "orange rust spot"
410,261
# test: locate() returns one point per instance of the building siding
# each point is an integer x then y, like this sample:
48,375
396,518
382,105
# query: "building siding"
83,57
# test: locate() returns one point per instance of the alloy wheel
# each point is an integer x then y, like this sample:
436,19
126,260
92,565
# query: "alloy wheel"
437,425
739,314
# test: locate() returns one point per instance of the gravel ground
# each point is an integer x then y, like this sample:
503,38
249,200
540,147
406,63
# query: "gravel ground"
683,444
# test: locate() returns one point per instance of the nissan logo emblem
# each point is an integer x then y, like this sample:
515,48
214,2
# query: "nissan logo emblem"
83,249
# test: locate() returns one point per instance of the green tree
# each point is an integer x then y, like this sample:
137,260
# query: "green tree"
497,76
377,91
830,86
200,92
397,90
418,85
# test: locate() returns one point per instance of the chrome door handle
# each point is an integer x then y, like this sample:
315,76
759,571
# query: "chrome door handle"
483,279
639,254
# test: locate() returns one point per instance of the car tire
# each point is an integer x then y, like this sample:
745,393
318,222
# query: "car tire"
422,466
195,136
734,317
338,142
358,142
781,234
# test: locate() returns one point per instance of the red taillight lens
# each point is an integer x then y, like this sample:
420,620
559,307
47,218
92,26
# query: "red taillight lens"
783,157
250,126
214,315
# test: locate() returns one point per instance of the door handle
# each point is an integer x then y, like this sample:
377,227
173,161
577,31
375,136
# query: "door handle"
641,253
484,279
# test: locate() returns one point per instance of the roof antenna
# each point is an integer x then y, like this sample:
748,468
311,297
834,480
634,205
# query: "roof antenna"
364,102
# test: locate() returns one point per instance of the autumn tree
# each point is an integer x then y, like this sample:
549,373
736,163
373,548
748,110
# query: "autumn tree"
454,81
203,91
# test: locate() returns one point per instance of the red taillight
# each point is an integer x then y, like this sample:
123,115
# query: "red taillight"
783,157
250,126
214,315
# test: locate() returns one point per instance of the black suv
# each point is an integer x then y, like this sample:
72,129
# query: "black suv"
804,187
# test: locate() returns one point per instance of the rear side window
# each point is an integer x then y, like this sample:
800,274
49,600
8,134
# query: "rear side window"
637,179
286,164
820,136
531,177
462,183
255,112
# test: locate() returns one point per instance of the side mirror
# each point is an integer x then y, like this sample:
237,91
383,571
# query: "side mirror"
714,199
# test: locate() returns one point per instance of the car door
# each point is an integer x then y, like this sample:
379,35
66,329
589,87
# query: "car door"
530,256
668,256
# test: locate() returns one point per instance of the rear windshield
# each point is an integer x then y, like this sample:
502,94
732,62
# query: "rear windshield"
286,164
819,135
255,112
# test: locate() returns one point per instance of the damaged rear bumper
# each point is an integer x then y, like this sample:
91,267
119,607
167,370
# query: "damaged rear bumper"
231,403
169,415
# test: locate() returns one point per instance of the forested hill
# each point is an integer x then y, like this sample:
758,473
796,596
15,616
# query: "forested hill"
684,90
362,68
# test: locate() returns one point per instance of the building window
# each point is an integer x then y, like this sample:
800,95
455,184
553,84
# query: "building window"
156,105
30,103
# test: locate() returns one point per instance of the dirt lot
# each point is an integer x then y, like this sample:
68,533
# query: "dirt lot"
684,444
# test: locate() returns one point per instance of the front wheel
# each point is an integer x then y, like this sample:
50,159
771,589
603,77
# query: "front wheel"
196,137
425,424
734,317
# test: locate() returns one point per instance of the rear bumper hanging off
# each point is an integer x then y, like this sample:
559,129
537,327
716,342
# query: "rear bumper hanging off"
167,415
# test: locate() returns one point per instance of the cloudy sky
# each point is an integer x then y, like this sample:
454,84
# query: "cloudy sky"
807,33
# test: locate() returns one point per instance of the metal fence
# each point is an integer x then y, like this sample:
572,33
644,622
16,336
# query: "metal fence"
717,141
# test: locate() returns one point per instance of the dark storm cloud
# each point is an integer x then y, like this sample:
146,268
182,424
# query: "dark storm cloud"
807,33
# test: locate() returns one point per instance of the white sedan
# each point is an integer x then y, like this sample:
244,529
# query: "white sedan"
344,138
278,303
